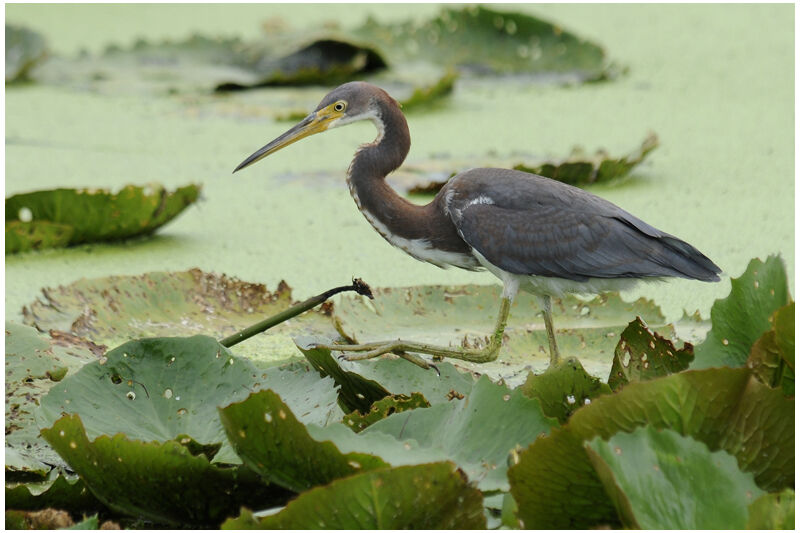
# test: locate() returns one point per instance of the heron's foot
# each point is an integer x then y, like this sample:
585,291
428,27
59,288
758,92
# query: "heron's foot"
408,350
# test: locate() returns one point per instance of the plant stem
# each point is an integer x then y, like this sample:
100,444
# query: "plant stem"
358,286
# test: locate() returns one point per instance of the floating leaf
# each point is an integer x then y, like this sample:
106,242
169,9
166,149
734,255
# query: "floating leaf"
741,318
659,479
24,50
464,315
724,408
116,309
772,511
427,496
36,235
270,440
396,403
169,388
162,482
643,354
772,355
98,215
57,492
34,364
477,433
563,388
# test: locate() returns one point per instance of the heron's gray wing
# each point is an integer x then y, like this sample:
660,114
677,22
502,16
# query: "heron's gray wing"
532,225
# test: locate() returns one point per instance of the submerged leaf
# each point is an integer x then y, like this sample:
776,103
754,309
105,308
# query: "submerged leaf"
563,388
57,492
643,354
385,407
116,309
741,318
427,496
659,479
162,482
271,441
34,364
98,215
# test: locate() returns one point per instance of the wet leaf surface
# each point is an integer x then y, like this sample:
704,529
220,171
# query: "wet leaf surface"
659,479
564,388
271,441
169,388
24,50
724,408
741,318
34,364
427,496
116,309
772,511
464,315
643,354
162,482
94,215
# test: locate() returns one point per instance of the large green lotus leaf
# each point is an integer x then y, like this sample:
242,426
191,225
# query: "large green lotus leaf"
578,168
659,479
483,40
116,309
59,491
741,318
364,382
168,388
772,355
563,388
725,408
36,235
477,433
98,215
162,482
643,354
466,314
270,439
34,364
24,50
772,511
426,496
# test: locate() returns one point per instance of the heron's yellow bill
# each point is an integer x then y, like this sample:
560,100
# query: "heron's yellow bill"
316,122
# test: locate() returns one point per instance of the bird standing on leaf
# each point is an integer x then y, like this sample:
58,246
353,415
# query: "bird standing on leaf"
535,234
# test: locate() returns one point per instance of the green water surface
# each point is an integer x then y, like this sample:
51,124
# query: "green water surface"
715,82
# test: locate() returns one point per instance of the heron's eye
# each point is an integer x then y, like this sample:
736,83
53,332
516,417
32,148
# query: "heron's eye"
339,106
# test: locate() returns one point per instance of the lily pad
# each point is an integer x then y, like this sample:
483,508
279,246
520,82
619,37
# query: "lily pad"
427,496
556,486
34,364
116,309
24,50
643,354
772,511
563,388
162,482
270,440
97,215
385,407
772,355
363,383
741,318
169,388
579,168
464,315
659,479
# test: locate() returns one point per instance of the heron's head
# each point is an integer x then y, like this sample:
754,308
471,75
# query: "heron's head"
345,104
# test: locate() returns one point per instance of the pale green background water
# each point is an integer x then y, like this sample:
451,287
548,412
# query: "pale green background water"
715,82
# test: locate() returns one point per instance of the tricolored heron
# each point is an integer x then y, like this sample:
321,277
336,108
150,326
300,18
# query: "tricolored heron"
534,233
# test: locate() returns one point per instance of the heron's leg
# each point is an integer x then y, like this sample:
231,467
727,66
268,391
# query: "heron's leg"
483,355
544,301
